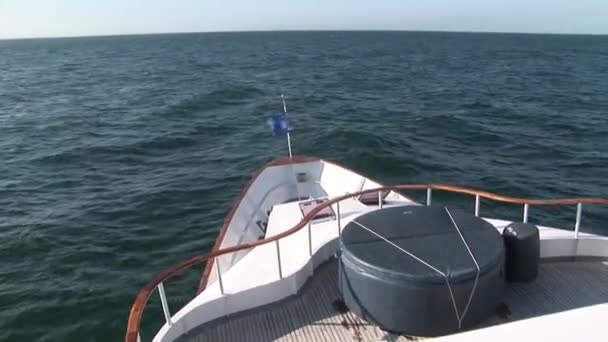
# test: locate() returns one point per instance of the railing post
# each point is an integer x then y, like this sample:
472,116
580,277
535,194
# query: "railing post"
526,208
428,197
338,217
309,239
163,302
219,275
279,259
477,205
380,199
577,225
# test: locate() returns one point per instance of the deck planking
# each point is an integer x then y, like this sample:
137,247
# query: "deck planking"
316,313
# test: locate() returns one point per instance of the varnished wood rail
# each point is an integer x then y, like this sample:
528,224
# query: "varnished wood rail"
132,333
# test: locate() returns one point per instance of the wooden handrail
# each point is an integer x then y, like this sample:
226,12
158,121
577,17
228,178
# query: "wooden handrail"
144,294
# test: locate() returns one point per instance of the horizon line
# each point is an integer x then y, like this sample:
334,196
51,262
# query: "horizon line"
298,30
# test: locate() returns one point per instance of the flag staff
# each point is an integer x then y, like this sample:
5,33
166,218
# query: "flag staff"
285,112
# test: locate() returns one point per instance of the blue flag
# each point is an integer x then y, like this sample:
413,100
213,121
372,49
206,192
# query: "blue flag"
278,124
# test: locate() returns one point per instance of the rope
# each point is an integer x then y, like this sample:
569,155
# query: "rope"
424,263
466,308
459,318
401,249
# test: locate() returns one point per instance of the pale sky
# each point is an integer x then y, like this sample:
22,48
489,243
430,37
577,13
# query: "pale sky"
56,18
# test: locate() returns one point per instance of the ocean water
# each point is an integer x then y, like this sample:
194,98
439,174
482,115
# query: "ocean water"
120,156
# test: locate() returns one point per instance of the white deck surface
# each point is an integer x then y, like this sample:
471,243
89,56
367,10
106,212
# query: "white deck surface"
260,266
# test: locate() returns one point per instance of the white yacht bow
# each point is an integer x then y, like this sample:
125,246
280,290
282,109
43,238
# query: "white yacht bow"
285,226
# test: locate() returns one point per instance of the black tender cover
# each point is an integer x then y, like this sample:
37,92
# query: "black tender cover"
384,284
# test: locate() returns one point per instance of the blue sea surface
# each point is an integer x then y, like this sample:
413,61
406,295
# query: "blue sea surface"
120,156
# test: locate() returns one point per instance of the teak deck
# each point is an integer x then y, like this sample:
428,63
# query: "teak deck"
316,313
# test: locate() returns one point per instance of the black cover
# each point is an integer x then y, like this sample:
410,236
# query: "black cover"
522,245
385,285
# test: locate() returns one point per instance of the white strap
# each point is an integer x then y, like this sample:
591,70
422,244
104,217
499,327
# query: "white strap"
459,317
466,308
424,263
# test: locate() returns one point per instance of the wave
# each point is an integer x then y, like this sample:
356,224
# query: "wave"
220,98
145,147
